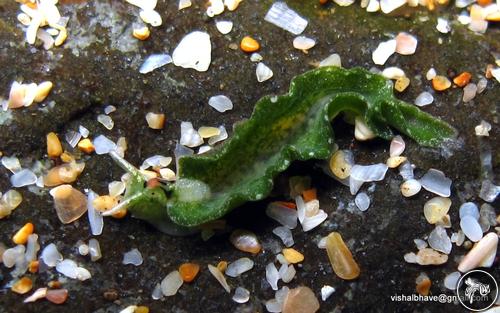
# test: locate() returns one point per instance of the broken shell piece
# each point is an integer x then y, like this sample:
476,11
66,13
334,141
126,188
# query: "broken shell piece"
30,94
368,173
483,129
168,174
410,187
362,201
441,83
219,276
406,44
54,147
194,51
155,61
222,136
256,57
397,146
86,146
241,295
66,173
263,72
282,214
326,292
155,120
38,294
344,3
384,51
21,236
479,252
311,222
239,267
301,299
428,256
395,161
61,37
393,72
462,79
292,256
249,44
341,258
116,188
57,296
401,83
70,204
496,73
71,269
52,31
216,7
83,131
471,228
156,161
183,4
387,6
22,286
96,220
436,208
189,136
151,17
141,33
24,177
171,283
207,132
303,43
133,257
439,240
231,5
204,149
373,6
224,27
436,182
470,91
423,99
245,241
361,131
32,29
143,4
16,95
103,203
282,16
272,275
9,201
42,91
451,280
189,271
12,164
24,19
106,121
431,73
331,60
423,284
443,26
341,163
221,103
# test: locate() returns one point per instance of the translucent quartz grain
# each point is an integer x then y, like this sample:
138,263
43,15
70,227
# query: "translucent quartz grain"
241,295
245,241
341,258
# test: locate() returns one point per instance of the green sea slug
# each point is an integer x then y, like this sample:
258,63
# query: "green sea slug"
281,129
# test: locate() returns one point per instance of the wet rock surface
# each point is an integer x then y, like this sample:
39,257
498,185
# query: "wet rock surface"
98,66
